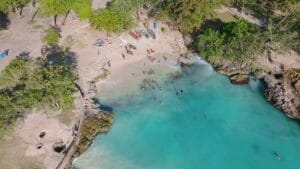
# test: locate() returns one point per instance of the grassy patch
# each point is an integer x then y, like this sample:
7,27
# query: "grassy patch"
224,16
38,26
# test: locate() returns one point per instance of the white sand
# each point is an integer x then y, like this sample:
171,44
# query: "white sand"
29,131
92,59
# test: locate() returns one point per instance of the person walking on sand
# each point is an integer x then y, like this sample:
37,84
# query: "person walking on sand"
108,63
123,55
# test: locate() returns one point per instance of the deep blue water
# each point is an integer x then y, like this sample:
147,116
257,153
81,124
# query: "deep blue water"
211,124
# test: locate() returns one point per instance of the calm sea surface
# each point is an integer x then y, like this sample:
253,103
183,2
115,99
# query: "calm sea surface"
195,121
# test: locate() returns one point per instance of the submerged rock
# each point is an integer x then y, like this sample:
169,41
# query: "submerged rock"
239,79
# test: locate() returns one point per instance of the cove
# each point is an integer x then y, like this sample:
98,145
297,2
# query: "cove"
193,121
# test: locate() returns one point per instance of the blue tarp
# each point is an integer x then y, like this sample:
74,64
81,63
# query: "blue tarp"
3,54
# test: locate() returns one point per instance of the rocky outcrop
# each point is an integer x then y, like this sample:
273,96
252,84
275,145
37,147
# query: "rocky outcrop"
93,125
283,86
93,121
59,146
238,73
239,79
283,91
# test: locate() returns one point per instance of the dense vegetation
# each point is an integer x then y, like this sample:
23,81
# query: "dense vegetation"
239,40
236,41
15,5
34,83
266,7
189,15
117,17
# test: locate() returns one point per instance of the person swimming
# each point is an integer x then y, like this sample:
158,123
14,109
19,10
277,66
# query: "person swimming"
277,155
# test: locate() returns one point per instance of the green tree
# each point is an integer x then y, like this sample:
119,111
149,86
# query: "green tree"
4,5
13,72
35,84
83,8
211,45
106,20
55,8
236,41
189,15
15,5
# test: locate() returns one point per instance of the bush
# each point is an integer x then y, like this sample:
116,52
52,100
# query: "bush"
51,36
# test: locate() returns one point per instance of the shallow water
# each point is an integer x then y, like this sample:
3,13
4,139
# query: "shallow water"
210,124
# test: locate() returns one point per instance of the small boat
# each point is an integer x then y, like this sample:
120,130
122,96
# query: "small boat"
151,33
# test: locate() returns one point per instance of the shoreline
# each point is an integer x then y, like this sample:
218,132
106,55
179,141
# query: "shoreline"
105,66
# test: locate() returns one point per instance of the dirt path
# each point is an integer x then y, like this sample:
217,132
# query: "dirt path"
250,17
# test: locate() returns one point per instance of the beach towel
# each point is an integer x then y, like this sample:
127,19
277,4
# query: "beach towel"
4,54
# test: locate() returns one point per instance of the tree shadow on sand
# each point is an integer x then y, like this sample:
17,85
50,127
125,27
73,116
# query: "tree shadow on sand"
4,21
57,56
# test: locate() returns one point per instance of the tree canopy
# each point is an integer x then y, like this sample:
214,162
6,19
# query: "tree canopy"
5,5
106,20
34,84
189,15
236,41
83,8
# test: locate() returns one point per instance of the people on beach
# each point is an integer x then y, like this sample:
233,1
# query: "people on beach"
108,63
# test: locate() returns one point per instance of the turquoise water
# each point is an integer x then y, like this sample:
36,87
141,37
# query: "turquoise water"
211,124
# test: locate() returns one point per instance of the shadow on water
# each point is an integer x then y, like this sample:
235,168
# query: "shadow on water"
103,106
262,85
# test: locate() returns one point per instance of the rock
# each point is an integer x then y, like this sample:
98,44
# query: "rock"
283,93
59,146
283,89
239,79
93,124
297,86
102,75
42,134
39,146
